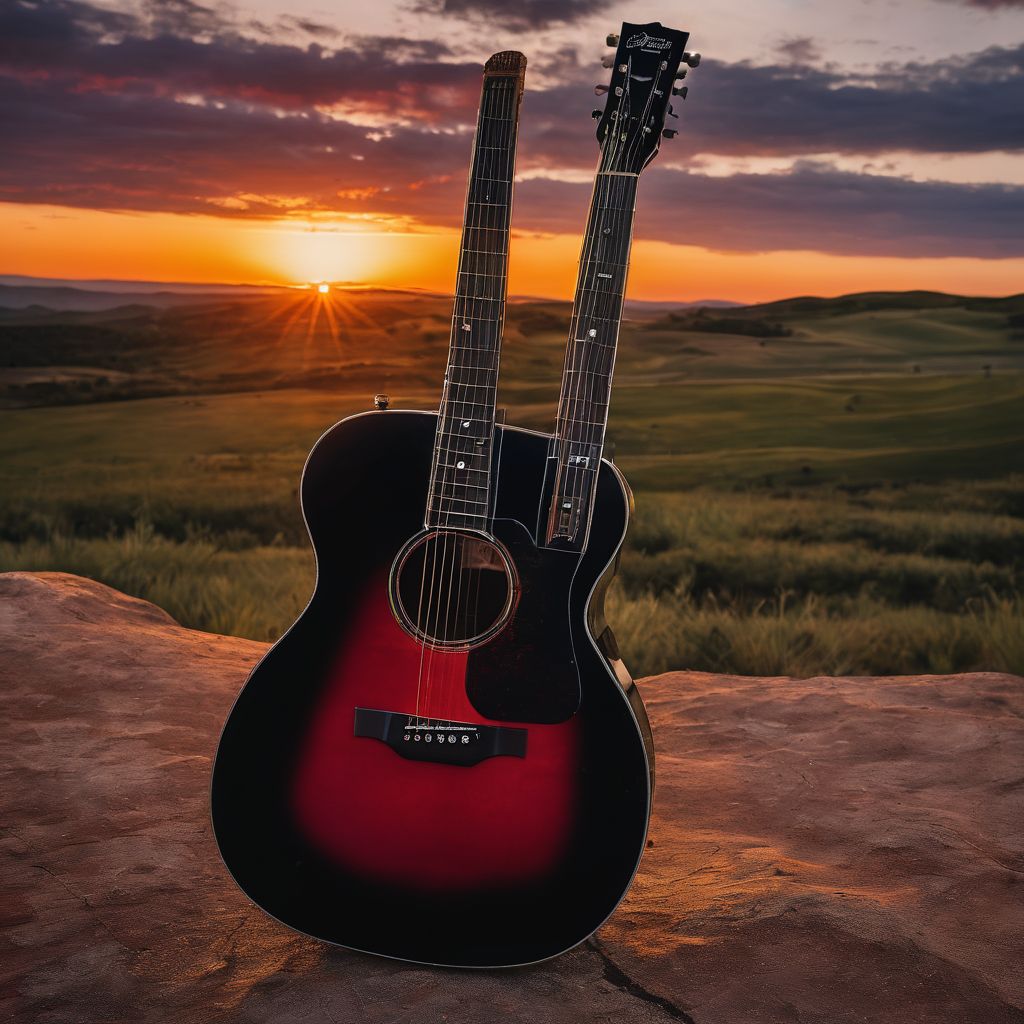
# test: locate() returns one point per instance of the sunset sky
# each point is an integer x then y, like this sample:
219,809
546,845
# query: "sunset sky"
825,147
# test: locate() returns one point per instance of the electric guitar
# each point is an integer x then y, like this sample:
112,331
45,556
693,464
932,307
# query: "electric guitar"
444,759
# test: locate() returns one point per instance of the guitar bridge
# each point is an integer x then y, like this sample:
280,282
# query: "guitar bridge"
439,740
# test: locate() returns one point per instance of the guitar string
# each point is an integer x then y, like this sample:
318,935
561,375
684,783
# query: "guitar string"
445,502
585,314
576,356
595,370
461,543
592,353
593,375
434,515
504,162
501,159
453,544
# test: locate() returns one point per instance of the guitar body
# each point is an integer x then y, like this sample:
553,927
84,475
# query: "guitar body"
480,805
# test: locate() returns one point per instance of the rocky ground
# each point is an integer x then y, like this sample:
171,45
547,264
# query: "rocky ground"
824,850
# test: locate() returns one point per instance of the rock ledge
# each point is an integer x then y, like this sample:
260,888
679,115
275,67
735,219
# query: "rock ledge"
823,850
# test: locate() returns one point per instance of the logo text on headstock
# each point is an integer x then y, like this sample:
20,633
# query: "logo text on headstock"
648,42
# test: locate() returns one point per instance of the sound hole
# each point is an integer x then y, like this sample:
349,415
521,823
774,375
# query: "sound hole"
453,589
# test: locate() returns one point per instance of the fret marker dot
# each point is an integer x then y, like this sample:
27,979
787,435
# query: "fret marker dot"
465,423
592,333
466,327
460,465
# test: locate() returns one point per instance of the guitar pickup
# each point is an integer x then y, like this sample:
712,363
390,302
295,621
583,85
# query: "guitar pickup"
578,460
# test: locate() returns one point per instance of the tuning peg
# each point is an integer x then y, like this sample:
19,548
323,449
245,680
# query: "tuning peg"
681,74
669,133
608,60
600,90
681,91
595,114
692,59
613,39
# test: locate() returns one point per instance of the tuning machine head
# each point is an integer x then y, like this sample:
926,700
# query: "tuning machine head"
691,59
669,133
680,91
613,39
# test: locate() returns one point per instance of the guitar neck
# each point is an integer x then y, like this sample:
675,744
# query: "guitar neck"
578,444
461,488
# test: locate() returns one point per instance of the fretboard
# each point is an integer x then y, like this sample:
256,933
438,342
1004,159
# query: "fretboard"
461,488
590,359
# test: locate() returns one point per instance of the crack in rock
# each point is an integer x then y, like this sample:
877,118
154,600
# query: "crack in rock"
616,976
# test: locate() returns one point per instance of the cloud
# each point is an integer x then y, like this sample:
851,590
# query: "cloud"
177,109
972,103
520,14
798,49
813,206
83,48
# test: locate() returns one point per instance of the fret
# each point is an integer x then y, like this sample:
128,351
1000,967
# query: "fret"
601,290
465,423
452,512
462,501
468,401
456,451
477,448
605,263
472,348
601,375
482,319
486,472
574,421
458,497
628,211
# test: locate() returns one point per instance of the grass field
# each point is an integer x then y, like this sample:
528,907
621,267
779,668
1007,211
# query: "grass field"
838,489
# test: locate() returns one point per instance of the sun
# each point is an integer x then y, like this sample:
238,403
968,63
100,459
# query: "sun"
323,289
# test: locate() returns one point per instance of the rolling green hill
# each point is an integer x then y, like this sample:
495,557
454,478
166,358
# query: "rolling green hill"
822,484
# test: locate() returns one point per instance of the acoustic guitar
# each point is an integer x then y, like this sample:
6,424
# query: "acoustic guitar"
444,759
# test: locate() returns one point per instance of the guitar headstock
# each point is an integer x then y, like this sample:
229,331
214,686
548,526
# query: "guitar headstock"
646,76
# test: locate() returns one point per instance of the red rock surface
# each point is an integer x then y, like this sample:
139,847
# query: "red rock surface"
824,851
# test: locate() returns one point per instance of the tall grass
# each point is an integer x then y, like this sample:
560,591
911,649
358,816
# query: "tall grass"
806,639
256,592
822,581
